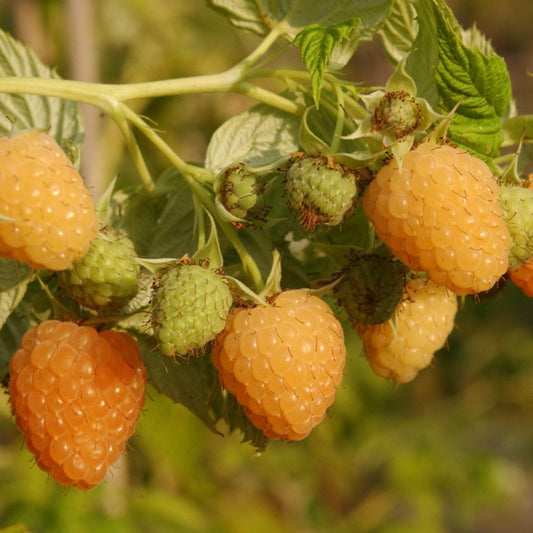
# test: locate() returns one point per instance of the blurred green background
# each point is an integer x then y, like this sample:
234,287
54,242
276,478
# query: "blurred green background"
450,452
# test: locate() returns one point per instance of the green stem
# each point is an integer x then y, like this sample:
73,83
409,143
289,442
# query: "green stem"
340,121
268,97
134,149
195,177
96,94
108,97
249,265
198,173
261,49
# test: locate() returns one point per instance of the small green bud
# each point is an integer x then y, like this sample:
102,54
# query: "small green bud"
397,113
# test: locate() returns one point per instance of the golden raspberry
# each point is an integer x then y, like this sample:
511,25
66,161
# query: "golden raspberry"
76,395
52,212
441,215
399,348
284,363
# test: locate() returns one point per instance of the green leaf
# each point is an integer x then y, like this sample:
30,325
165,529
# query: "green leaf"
316,44
231,414
211,249
191,382
423,58
258,244
316,132
517,128
12,273
244,14
12,324
160,223
399,30
258,137
9,300
62,118
195,384
259,16
456,68
11,333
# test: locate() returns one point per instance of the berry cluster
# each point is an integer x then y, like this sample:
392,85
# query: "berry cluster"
442,213
444,228
76,393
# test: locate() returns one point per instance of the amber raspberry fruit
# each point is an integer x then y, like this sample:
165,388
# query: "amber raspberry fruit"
517,210
76,395
189,307
441,215
523,277
320,191
370,286
399,348
105,278
52,214
283,363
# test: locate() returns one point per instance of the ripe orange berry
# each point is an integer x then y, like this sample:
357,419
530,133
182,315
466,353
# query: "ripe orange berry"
283,362
76,395
399,348
52,212
523,277
441,215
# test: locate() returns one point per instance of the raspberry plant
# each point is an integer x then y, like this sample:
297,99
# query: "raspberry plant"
449,90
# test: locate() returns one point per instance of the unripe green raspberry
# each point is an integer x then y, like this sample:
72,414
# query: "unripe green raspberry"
321,191
239,190
189,307
106,277
397,113
371,287
517,210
